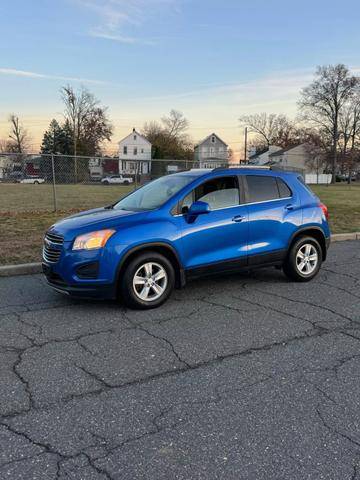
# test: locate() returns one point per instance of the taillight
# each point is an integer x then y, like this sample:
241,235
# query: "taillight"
325,210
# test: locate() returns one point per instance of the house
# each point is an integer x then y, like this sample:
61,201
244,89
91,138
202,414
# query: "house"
134,154
295,157
262,158
212,152
6,165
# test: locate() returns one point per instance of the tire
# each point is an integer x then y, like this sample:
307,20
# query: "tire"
135,293
126,182
36,183
106,182
304,260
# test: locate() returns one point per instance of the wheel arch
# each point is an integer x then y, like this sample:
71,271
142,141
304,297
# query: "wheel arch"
311,231
160,247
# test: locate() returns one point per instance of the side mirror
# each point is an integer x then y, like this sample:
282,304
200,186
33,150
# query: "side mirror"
198,208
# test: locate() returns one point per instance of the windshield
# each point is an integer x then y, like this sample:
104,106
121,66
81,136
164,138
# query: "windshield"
155,193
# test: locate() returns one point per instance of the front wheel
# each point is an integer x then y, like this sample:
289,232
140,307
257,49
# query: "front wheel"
304,260
148,281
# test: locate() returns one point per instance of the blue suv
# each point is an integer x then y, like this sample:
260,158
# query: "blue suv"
185,225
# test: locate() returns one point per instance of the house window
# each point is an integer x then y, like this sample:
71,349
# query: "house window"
125,150
213,139
142,150
135,150
135,136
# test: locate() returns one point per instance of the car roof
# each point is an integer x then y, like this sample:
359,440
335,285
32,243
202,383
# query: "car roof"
243,170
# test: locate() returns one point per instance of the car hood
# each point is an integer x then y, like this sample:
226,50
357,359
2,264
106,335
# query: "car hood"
86,221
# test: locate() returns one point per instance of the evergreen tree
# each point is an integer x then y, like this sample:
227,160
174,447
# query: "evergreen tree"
57,139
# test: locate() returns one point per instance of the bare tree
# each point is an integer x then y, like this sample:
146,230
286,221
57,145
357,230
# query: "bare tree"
87,118
349,133
19,138
175,124
323,101
270,129
169,138
89,123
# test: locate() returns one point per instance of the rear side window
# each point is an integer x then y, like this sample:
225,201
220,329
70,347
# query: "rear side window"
261,188
284,190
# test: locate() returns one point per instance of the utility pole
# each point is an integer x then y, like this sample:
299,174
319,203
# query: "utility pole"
245,144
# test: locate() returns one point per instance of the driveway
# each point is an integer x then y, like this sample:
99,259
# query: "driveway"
238,377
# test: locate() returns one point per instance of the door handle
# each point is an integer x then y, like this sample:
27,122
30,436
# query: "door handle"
289,207
238,218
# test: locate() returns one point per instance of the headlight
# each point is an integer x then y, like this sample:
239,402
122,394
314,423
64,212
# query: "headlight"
92,240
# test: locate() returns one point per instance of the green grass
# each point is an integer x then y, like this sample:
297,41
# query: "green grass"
343,202
15,197
26,211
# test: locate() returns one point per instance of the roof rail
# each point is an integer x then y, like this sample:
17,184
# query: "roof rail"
248,167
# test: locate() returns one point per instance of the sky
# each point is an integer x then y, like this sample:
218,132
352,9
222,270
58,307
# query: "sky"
213,60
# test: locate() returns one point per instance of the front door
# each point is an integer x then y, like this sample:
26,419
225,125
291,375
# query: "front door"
219,238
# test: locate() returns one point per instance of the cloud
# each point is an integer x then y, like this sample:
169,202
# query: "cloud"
122,38
116,17
24,73
277,85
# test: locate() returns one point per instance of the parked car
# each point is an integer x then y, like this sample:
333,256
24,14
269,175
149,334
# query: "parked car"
14,177
32,179
185,225
116,179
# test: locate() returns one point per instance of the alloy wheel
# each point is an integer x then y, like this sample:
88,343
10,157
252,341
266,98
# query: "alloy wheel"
307,259
150,281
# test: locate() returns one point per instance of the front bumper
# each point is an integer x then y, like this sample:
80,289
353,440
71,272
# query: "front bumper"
88,290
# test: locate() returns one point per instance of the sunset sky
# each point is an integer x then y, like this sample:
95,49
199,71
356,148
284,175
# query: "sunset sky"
212,60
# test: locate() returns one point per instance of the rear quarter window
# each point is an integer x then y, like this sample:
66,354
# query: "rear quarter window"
284,190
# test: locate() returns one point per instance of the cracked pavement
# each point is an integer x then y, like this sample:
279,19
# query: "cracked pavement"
235,377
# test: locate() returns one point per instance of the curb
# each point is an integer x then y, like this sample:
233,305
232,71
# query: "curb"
32,268
22,269
342,237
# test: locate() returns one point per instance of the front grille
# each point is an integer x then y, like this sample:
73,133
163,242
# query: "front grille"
52,247
54,238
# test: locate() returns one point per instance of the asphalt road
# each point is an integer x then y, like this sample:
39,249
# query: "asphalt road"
241,377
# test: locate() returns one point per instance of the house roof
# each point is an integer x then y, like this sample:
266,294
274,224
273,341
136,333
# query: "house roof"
284,150
257,154
134,131
211,134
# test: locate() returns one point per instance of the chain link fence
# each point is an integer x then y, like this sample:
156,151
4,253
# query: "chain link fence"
67,183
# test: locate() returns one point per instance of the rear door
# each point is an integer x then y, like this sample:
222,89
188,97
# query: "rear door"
274,214
219,238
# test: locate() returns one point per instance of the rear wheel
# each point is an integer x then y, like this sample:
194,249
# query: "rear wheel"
148,281
304,260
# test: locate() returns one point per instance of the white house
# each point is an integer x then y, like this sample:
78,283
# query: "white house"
134,154
6,164
211,152
263,158
293,157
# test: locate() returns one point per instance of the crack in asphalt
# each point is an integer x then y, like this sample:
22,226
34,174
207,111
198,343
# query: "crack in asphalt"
156,426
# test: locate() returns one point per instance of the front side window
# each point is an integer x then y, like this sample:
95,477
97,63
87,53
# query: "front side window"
222,192
261,188
154,194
